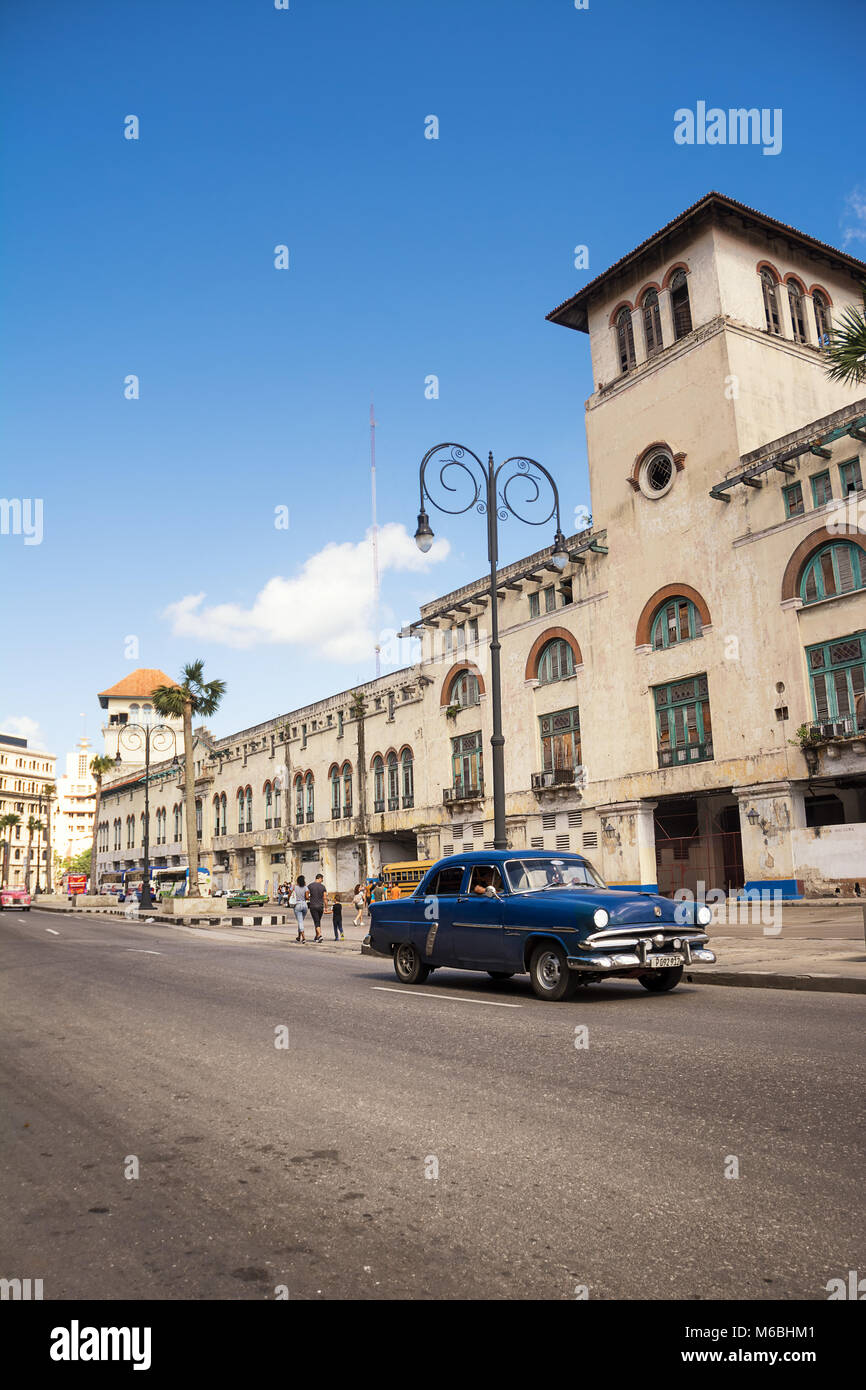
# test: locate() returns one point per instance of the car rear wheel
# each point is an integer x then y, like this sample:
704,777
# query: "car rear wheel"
660,981
501,974
549,973
408,965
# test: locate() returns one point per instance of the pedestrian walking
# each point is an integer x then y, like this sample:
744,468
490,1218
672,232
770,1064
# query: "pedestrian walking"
337,919
298,900
359,902
378,894
318,900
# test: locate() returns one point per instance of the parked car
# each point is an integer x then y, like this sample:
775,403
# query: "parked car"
509,912
247,898
15,897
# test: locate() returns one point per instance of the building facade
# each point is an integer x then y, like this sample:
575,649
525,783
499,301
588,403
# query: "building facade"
129,703
27,791
73,810
685,701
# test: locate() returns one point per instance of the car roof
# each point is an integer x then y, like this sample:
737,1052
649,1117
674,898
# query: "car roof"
499,856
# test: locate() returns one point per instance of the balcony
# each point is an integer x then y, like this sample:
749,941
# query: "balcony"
833,746
393,803
690,753
462,792
335,813
347,813
557,783
379,806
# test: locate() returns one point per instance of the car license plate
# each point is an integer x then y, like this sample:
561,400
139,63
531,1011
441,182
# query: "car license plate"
665,962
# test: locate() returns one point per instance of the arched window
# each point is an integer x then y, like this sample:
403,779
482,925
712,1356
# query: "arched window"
676,621
198,819
625,339
310,797
347,789
838,568
278,803
177,824
335,792
771,307
407,767
798,313
821,305
216,815
249,808
465,690
378,783
393,783
134,714
652,323
299,800
223,814
680,306
269,805
146,714
555,662
241,807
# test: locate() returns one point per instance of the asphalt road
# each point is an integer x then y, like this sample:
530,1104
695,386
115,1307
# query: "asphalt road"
305,1166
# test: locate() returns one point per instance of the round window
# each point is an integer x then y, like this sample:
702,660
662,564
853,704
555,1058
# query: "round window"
656,475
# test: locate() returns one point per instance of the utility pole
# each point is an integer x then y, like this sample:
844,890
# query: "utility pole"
377,649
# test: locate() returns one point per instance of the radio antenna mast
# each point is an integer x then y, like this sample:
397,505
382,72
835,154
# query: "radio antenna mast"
375,533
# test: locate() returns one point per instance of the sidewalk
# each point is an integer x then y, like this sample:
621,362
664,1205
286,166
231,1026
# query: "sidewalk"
801,957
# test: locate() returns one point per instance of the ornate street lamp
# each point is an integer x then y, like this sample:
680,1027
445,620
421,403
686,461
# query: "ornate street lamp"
490,490
163,737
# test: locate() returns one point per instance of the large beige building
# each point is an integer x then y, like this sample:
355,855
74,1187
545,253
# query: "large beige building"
73,810
685,701
27,790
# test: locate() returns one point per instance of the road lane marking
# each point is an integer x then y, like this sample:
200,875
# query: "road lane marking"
139,951
457,998
53,933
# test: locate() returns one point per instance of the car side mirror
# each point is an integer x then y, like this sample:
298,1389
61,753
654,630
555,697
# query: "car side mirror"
490,891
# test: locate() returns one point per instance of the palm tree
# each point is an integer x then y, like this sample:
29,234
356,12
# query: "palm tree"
98,768
846,351
48,794
6,824
33,825
192,696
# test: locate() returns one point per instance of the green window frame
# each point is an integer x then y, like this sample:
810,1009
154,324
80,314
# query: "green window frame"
837,677
676,621
465,690
683,725
549,599
849,473
793,495
837,568
560,740
556,662
534,605
822,488
467,762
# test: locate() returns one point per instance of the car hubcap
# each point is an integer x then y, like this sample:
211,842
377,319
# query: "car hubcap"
549,970
405,960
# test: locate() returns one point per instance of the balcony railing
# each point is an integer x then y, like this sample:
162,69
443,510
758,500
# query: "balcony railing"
379,806
553,777
347,813
463,791
844,727
408,803
335,813
310,816
689,753
393,803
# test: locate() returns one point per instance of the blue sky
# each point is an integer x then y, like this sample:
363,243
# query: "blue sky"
408,257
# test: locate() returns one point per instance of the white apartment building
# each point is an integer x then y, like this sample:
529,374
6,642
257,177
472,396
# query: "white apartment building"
27,790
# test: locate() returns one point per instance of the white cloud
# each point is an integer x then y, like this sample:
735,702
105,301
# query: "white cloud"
22,727
327,607
854,219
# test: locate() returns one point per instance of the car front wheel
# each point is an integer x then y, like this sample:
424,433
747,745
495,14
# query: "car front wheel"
549,973
408,965
661,981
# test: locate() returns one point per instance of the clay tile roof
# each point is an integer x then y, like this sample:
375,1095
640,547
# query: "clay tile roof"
571,313
140,683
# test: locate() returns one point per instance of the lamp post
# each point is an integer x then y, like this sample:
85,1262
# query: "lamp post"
163,738
490,491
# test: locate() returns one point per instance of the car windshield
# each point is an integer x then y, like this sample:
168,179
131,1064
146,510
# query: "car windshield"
534,875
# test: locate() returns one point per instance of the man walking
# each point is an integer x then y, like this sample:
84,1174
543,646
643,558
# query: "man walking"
318,900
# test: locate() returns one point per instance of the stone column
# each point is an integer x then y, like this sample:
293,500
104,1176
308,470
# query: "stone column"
627,843
767,817
637,334
264,877
666,314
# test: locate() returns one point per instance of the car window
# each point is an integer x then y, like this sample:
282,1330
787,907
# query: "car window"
538,873
484,876
447,882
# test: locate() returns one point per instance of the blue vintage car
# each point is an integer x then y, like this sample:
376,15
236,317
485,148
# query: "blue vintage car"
511,911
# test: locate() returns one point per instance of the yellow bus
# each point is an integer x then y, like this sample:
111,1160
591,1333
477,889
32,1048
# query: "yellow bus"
406,876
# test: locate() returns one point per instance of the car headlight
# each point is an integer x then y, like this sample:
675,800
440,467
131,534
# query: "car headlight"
601,917
703,916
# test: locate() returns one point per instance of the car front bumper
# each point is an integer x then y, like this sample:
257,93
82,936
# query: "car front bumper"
620,960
